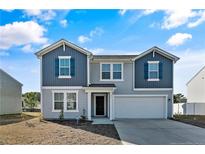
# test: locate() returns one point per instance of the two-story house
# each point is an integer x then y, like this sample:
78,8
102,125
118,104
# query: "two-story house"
112,86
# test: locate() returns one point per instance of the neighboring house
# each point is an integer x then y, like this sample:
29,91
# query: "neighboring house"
112,86
10,94
180,108
196,94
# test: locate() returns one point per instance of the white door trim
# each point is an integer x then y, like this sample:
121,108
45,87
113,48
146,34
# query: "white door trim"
104,104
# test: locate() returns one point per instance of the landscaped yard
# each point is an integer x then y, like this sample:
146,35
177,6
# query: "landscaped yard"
32,130
197,120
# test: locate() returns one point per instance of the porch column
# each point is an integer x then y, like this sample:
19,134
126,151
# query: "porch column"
89,105
111,106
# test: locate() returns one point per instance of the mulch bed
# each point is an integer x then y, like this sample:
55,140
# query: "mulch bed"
196,120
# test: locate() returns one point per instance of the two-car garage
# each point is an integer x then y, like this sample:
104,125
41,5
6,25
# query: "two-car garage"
140,106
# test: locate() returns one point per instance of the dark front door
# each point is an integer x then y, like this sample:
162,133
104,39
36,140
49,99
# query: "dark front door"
100,107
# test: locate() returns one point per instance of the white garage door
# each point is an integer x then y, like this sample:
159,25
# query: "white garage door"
140,106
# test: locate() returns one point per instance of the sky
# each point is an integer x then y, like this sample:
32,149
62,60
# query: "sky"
24,32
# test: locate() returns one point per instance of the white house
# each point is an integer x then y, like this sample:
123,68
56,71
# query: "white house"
196,94
10,94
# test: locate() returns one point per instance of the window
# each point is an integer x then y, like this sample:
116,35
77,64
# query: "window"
106,71
71,101
153,70
111,72
66,100
117,71
64,67
58,101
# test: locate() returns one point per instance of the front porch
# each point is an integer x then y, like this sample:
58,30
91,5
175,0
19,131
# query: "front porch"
100,101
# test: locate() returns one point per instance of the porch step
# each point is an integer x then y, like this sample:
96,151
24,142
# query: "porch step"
101,121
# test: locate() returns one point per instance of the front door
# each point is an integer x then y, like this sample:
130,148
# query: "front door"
100,105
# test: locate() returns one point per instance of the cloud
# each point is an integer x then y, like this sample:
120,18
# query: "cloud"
178,39
46,45
44,15
83,39
97,51
176,18
136,14
27,48
21,33
199,21
64,23
96,32
122,12
93,33
149,11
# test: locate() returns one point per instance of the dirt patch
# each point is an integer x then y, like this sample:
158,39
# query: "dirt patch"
196,120
36,131
15,118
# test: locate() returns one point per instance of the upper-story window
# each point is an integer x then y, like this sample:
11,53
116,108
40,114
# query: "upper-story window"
153,70
106,75
64,67
117,71
111,72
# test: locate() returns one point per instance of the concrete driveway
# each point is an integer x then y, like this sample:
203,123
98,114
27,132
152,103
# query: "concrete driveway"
158,132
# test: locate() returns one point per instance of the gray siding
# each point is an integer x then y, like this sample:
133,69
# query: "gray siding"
126,87
48,105
10,95
167,72
50,78
123,87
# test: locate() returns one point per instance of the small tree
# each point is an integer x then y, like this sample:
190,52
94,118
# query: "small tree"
31,99
178,98
61,115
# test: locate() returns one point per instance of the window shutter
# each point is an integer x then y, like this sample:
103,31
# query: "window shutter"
56,67
160,70
72,66
145,71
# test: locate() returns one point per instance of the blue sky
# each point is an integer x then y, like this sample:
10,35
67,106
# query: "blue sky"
24,32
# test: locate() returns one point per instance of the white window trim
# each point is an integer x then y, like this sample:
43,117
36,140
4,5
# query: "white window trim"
64,76
111,71
64,100
153,79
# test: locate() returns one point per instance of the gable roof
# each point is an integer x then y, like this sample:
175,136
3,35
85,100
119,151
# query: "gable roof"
195,75
8,75
160,51
60,43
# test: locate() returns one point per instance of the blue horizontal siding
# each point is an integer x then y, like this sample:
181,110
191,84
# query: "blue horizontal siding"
48,68
167,72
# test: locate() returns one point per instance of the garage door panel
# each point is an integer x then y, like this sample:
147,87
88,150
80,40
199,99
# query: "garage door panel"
140,107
